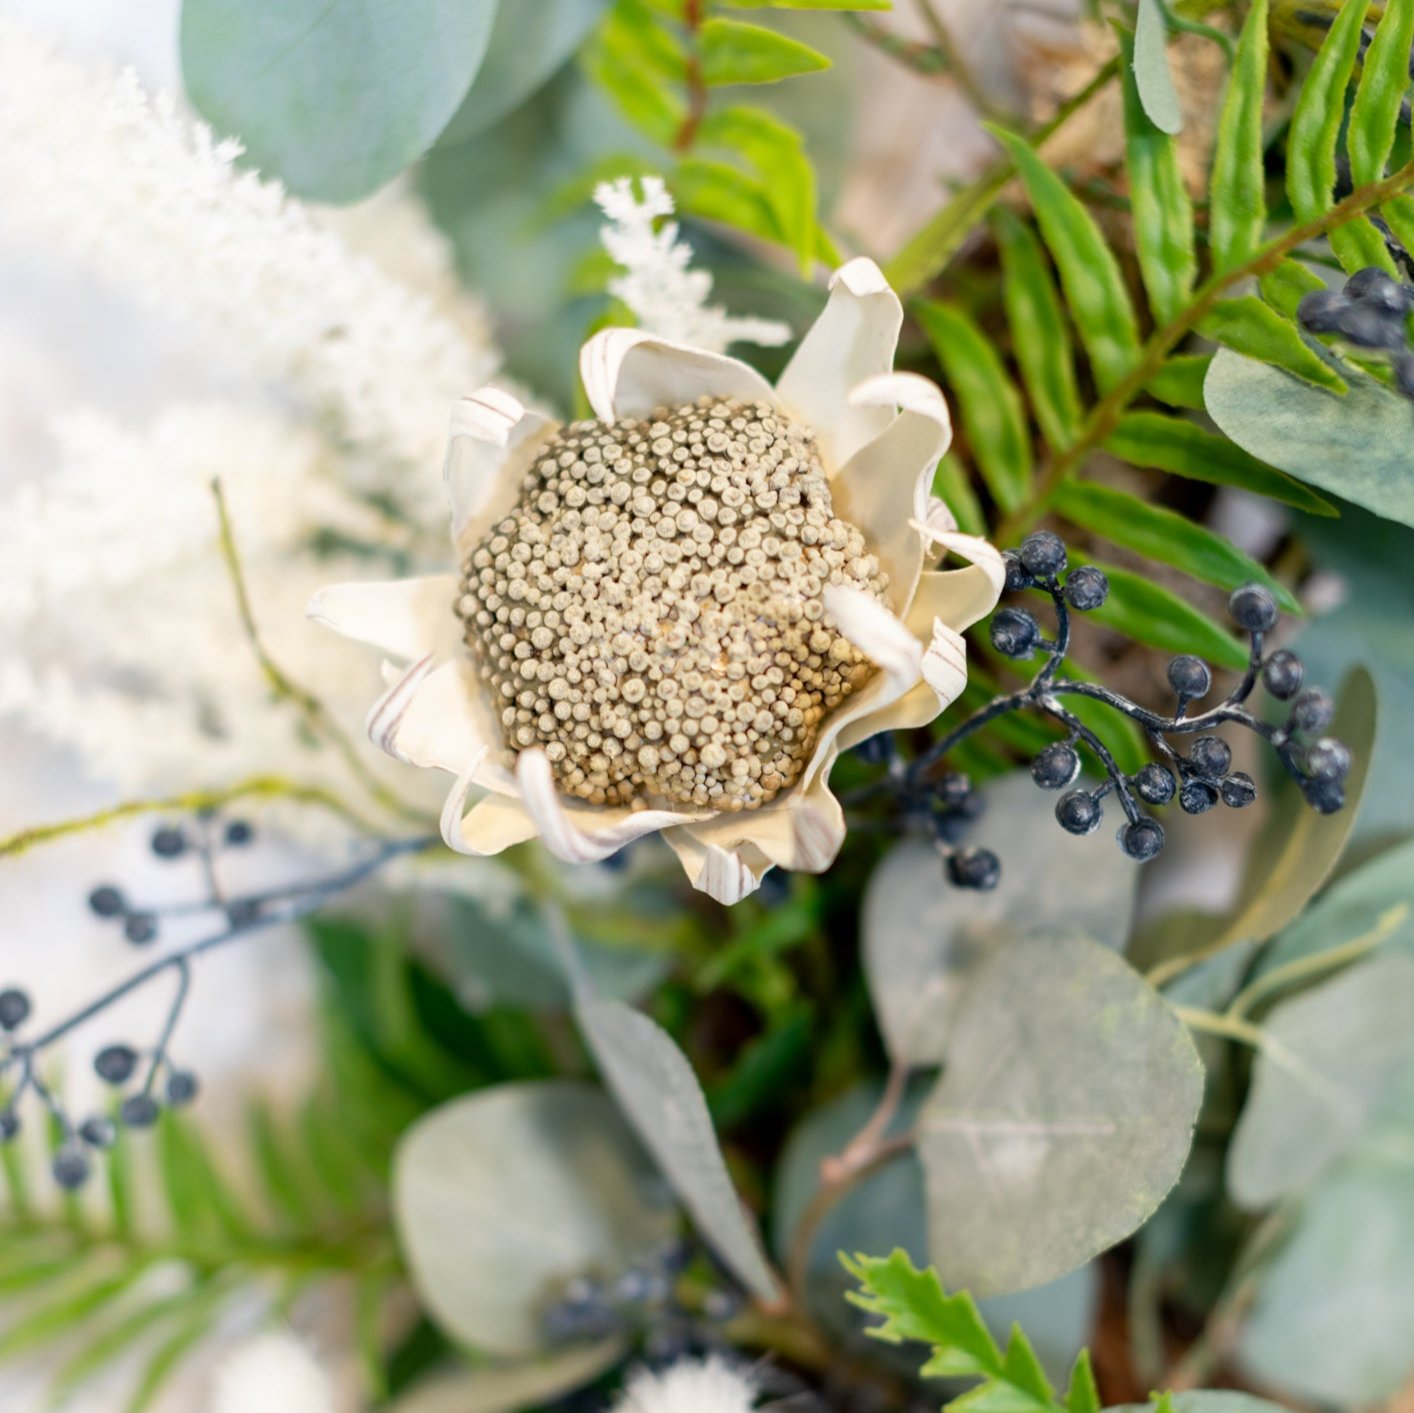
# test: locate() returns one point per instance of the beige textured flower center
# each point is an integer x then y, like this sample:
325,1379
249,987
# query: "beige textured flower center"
652,615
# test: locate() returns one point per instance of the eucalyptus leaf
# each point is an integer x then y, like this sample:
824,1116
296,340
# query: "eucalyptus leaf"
509,1388
334,97
503,1196
1356,446
1333,1318
1152,76
1062,1120
1207,1400
923,938
529,41
1329,1057
654,1083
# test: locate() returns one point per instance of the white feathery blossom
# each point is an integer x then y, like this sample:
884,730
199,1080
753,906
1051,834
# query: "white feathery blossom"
666,296
272,1373
93,165
690,1386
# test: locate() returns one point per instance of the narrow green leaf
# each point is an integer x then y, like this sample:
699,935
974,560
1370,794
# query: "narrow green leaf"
201,1201
1180,381
718,192
1140,609
1237,205
119,1167
1165,536
1039,334
732,51
806,4
37,1326
1083,1395
1286,286
1152,78
1184,449
278,1170
333,1153
1248,326
1398,212
645,101
952,487
1094,287
201,1312
30,1273
1357,244
1384,81
1315,125
992,415
1162,212
776,151
12,1165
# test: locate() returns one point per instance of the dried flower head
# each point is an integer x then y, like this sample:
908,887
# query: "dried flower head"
675,617
709,1385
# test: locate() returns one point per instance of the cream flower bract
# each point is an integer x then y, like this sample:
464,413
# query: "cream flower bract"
676,616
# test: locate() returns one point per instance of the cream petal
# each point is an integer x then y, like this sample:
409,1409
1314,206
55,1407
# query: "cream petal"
883,488
853,339
725,875
491,825
630,373
945,663
917,707
960,597
800,830
407,618
492,440
583,834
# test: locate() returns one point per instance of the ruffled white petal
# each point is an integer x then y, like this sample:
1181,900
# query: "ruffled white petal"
491,825
853,340
407,618
800,829
630,373
877,633
725,875
945,663
493,438
883,488
960,597
583,833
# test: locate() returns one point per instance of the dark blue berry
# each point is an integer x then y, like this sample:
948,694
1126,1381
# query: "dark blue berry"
1211,756
14,1009
1369,325
169,843
1189,676
1014,633
71,1168
1324,796
1252,607
1197,797
114,1064
139,1111
1363,282
239,832
1404,372
106,901
1320,311
1312,710
1086,588
1017,578
1056,766
1142,840
1078,812
1238,790
1380,291
1155,784
1327,759
181,1087
955,793
9,1125
1043,554
1282,672
140,929
875,751
98,1132
974,868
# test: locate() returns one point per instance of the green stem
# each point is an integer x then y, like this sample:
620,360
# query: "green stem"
1229,1027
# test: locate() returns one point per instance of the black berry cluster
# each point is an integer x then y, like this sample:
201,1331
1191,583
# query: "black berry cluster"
1199,778
1373,311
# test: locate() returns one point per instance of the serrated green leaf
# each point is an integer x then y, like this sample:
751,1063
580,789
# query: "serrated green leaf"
1236,201
1286,286
732,51
1150,614
1159,203
1384,82
1039,333
1254,329
952,486
1098,300
335,97
1152,78
1315,125
1180,381
992,414
777,153
1184,449
1356,446
1165,536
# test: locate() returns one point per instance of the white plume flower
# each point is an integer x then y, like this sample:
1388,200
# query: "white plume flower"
690,1386
666,296
273,1373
